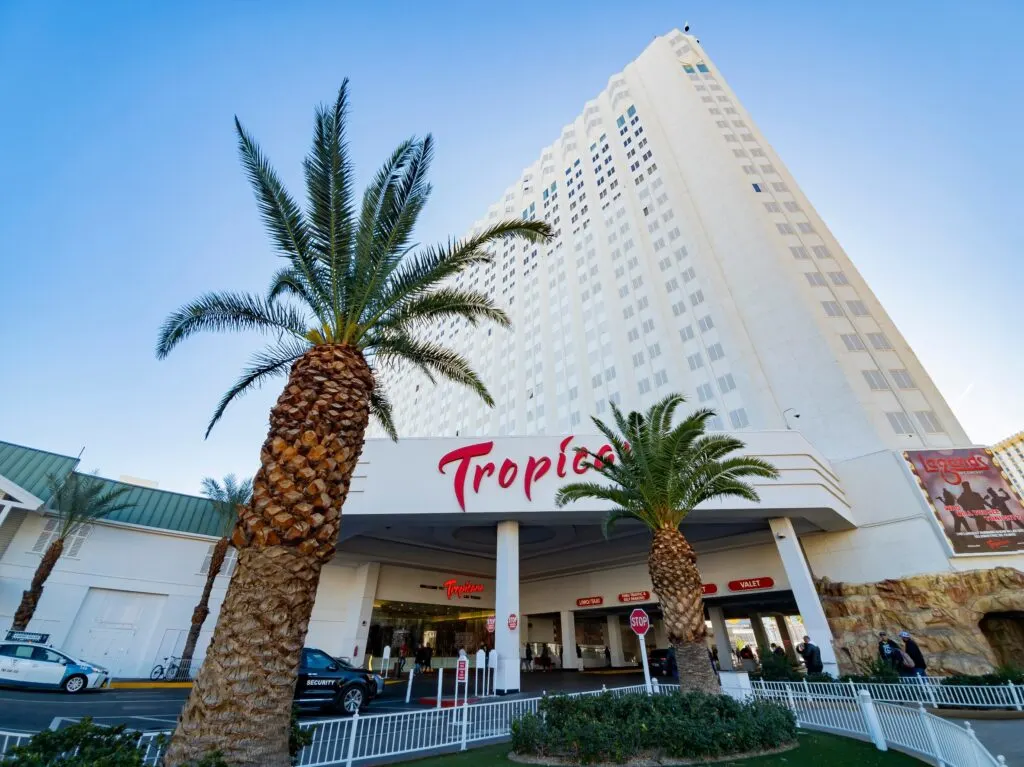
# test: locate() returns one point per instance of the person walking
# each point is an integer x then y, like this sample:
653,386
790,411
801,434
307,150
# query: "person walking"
607,657
890,652
914,653
672,665
811,654
529,657
403,652
777,651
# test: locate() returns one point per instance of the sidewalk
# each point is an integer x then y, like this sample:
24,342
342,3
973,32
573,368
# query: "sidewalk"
1002,737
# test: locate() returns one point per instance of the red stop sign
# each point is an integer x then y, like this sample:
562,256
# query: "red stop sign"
490,624
639,622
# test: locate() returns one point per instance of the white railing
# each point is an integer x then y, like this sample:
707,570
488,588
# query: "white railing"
9,740
904,727
928,692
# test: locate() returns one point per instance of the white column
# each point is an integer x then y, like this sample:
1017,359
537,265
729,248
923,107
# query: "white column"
360,608
802,586
506,604
569,659
614,635
722,642
764,645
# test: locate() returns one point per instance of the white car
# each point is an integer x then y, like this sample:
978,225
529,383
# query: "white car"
37,666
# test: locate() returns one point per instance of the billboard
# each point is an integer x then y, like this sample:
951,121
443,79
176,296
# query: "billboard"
973,502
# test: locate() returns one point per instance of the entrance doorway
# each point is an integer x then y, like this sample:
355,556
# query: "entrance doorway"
1005,633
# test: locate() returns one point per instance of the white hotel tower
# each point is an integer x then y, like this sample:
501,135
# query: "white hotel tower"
686,258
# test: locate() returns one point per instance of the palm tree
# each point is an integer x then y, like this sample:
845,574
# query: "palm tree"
659,474
351,300
76,500
228,501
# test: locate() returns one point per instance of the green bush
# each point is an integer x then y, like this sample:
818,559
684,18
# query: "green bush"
775,668
92,746
604,728
1000,676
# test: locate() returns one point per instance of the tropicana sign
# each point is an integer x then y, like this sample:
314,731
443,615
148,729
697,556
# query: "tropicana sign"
471,456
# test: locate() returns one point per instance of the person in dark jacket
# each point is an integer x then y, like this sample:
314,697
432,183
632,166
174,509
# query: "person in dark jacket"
671,666
811,654
912,650
890,652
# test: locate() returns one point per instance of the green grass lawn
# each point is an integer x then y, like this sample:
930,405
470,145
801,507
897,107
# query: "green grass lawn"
814,750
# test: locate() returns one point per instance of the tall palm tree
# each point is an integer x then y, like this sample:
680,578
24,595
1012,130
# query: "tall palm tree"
76,500
228,501
659,474
351,301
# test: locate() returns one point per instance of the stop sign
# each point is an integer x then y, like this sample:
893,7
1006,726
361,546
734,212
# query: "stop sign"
490,624
639,622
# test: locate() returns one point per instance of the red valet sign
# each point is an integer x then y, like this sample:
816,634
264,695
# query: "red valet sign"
708,588
507,472
751,584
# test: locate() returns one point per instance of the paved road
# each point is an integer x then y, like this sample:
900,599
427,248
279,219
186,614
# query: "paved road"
1005,737
146,710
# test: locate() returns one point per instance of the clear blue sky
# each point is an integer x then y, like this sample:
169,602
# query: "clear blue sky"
123,197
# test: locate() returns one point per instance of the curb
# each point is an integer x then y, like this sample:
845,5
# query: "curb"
150,685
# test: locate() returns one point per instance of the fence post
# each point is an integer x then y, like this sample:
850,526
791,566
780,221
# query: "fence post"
440,676
807,689
1014,694
853,690
408,689
465,711
792,703
871,721
656,686
929,730
352,740
930,691
975,745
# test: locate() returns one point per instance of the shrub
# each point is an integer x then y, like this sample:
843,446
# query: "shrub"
90,744
777,669
604,728
1000,676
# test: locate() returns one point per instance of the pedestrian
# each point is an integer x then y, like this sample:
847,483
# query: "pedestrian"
777,651
428,654
607,657
811,654
529,657
672,665
890,652
403,651
914,653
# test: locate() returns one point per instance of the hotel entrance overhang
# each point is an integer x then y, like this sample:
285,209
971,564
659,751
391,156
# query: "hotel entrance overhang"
482,511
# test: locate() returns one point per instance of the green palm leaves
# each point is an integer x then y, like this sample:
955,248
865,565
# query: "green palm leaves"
227,497
353,274
662,472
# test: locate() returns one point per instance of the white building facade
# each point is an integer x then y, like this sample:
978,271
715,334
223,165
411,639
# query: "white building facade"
1010,454
686,259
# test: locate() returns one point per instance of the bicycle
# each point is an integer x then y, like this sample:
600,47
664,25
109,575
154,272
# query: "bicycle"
169,669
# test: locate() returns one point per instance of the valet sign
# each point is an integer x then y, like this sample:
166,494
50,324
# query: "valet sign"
482,467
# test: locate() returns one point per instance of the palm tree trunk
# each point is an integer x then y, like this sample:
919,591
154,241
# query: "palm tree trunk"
676,580
241,700
202,611
30,599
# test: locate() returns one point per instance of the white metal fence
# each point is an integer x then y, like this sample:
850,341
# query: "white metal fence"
839,709
929,692
903,726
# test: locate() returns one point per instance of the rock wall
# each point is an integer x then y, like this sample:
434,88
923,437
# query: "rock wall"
941,611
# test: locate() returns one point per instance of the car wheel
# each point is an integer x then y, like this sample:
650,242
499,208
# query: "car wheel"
351,700
74,684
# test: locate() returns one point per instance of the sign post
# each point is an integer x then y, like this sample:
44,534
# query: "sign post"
385,660
492,663
462,677
641,624
480,670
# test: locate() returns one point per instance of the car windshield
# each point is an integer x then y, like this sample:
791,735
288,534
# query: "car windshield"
344,664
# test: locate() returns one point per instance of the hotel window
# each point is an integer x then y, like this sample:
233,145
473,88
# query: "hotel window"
879,341
876,381
627,312
660,378
772,207
816,278
799,252
821,251
695,361
902,378
857,308
780,186
697,298
665,263
792,207
768,168
706,323
832,308
784,228
648,326
638,359
609,374
686,333
750,170
853,342
633,334
715,352
739,418
615,398
679,308
757,187
715,423
900,422
929,421
680,253
726,383
644,385
838,278
654,350
704,392
642,303
672,284
804,227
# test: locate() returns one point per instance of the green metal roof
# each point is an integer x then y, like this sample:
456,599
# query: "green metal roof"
29,468
167,510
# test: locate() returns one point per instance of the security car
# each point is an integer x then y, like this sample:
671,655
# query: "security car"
34,665
331,683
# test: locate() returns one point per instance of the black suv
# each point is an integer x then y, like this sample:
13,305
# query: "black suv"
329,683
657,662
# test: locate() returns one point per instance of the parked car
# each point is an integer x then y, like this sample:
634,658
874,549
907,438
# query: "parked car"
334,684
38,666
657,662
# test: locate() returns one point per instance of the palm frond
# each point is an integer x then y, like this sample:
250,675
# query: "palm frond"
432,357
228,311
380,408
428,309
227,497
269,363
78,499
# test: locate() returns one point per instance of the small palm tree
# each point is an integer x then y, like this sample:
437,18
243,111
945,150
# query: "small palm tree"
660,473
353,298
76,500
228,501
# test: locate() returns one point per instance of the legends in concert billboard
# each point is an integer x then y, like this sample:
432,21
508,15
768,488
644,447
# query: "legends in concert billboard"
976,507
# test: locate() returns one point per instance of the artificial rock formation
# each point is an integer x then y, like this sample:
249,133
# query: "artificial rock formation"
943,612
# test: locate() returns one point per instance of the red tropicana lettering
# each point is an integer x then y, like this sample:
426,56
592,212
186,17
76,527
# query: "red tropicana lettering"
455,589
535,469
561,456
507,475
463,455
